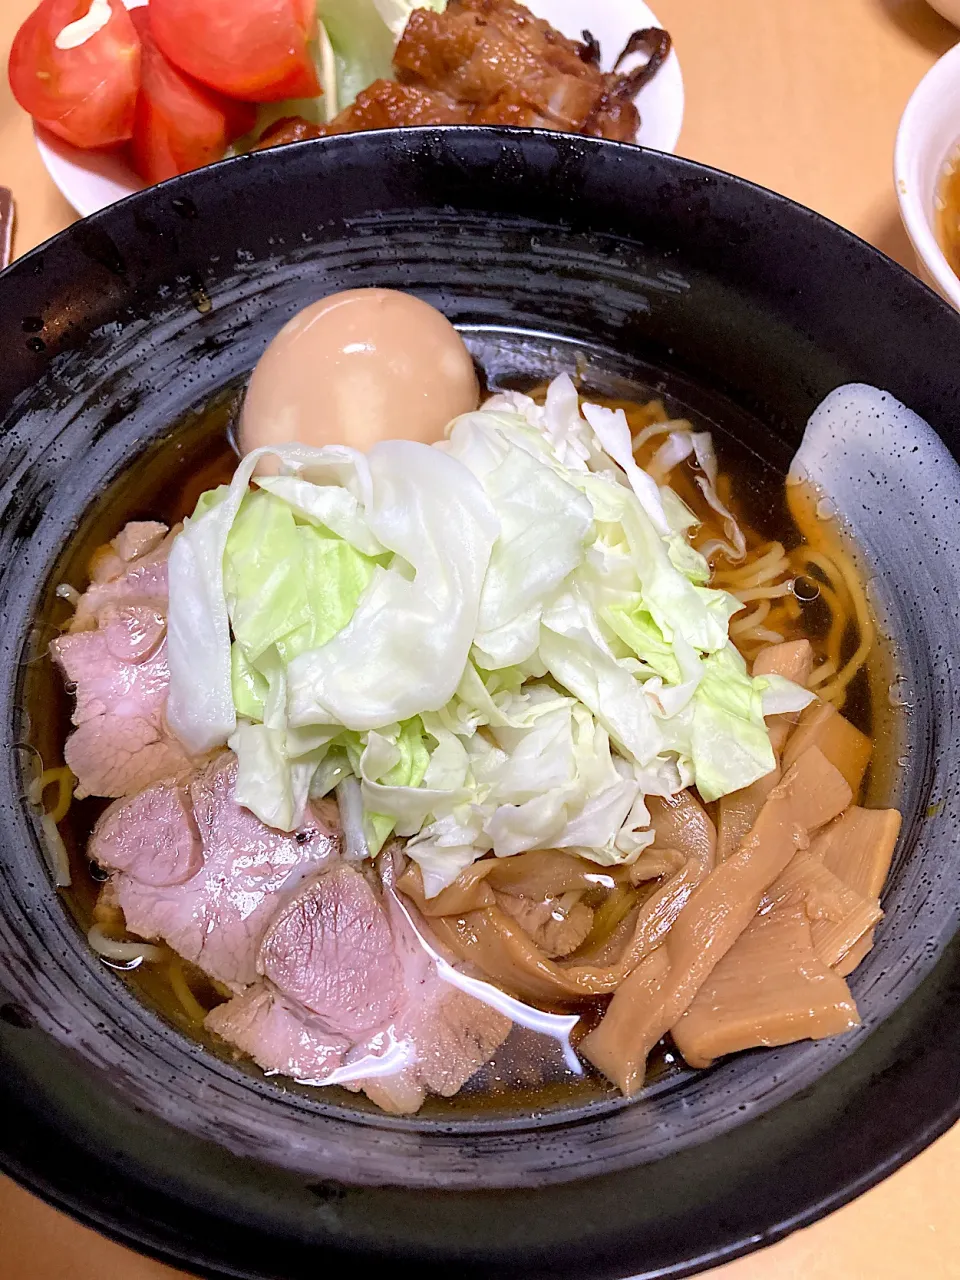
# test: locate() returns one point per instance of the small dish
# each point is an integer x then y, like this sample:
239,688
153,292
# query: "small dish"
91,180
929,131
949,9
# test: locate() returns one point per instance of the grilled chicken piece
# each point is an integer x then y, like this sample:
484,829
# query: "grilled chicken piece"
491,62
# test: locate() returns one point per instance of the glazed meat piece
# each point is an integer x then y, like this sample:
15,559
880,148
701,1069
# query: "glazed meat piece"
515,69
382,105
386,104
115,655
491,62
202,873
476,52
533,38
289,129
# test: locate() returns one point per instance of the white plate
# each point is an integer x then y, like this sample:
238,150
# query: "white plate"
928,135
90,180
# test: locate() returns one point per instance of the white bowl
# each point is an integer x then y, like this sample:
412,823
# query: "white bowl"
90,180
949,9
929,132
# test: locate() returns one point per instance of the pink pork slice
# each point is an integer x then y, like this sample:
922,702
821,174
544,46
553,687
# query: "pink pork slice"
131,569
279,1036
343,981
199,871
331,951
332,977
115,656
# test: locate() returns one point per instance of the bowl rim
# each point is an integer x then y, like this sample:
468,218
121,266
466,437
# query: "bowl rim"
831,1187
911,133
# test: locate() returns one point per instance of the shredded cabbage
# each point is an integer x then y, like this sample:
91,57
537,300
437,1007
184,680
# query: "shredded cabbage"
503,642
405,647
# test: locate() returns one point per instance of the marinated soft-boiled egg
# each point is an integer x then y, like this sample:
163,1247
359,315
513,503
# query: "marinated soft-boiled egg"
358,367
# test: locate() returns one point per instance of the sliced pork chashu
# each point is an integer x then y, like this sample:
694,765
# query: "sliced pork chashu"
114,653
195,869
345,983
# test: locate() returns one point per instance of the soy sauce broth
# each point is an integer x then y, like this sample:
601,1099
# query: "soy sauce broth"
527,1077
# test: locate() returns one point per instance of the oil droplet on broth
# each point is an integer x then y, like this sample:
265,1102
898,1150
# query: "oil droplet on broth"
806,590
826,510
899,694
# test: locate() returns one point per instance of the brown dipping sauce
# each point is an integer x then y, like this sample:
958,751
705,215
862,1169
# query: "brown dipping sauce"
947,210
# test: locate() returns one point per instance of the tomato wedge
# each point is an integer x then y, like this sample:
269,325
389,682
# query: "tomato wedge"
251,49
180,124
75,66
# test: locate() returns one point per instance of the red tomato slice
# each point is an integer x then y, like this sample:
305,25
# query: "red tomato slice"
180,124
86,93
251,49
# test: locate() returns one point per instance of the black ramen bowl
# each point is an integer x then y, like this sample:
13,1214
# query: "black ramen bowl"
652,272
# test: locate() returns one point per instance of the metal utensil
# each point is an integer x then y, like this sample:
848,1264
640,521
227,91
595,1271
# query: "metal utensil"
6,225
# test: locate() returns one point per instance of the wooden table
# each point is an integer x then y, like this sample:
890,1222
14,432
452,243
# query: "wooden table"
803,96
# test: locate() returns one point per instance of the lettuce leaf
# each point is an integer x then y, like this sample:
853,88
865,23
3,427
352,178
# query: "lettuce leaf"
577,656
335,576
200,708
329,506
269,783
396,13
634,625
363,35
362,44
249,686
200,704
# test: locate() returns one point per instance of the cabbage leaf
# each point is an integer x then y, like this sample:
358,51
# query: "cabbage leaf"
501,643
